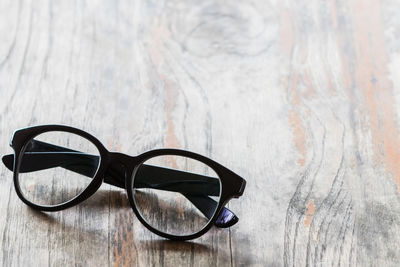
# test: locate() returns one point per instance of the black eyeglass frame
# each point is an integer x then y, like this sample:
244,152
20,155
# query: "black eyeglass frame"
232,185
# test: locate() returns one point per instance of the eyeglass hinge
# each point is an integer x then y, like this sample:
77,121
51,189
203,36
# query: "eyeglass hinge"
241,190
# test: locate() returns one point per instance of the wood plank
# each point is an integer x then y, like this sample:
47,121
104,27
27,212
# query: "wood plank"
300,98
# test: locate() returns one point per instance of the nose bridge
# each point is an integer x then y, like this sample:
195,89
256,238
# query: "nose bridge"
120,158
121,161
119,167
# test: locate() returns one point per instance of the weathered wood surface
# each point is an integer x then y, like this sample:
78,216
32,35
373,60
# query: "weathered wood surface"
300,97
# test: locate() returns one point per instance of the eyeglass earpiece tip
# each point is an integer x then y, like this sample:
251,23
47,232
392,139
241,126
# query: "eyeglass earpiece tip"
226,218
8,161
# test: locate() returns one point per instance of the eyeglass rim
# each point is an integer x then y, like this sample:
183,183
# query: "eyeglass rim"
17,181
170,152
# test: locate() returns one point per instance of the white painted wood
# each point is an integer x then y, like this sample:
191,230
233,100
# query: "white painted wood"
300,98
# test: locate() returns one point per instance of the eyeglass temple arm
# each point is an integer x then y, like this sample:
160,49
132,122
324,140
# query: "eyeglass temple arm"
195,191
194,187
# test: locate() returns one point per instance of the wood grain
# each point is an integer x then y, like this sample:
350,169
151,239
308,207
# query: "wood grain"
299,97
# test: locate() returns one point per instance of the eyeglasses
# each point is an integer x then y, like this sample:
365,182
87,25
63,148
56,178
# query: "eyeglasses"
175,193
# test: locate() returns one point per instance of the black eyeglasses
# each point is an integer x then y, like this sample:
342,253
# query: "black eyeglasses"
176,194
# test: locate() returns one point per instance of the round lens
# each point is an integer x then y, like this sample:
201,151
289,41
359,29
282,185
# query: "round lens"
56,167
176,195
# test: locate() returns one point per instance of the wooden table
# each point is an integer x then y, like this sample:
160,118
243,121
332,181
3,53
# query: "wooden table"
299,97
